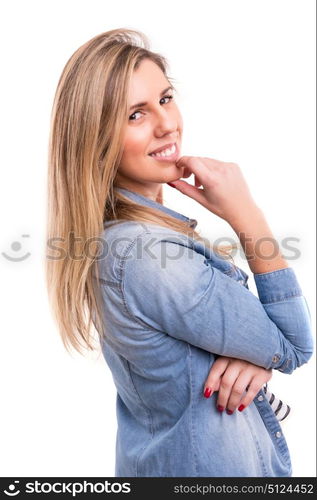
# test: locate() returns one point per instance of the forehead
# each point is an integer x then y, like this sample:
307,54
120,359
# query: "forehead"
148,79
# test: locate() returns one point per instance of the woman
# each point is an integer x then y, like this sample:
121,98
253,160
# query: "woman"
180,330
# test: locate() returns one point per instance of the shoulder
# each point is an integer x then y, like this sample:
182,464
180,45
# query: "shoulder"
127,234
132,244
160,256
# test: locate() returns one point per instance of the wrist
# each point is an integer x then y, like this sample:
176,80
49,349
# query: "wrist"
247,218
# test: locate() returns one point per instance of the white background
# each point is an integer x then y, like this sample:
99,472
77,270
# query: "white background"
245,72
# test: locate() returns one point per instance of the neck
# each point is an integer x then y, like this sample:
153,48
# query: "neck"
152,190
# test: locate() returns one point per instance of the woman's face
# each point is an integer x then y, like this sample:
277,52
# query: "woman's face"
154,125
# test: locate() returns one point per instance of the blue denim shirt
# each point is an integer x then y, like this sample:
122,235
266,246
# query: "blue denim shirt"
171,305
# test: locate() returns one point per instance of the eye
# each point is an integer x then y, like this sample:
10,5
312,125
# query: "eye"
169,97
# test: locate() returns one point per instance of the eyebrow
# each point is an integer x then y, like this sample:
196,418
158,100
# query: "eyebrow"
141,104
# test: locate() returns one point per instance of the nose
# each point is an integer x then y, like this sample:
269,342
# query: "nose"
165,122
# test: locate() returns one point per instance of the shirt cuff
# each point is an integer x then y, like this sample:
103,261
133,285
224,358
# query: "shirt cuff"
276,286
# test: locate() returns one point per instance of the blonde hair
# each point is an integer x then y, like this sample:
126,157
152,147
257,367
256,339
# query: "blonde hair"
89,112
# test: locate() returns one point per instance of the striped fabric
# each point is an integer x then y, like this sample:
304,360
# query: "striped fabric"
280,409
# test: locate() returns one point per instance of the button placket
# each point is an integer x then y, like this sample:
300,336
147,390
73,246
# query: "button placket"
273,427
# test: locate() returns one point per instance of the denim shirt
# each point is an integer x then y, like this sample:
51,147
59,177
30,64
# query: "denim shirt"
171,306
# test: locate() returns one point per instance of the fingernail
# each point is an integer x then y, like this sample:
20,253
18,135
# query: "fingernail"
171,184
230,412
207,392
241,407
220,408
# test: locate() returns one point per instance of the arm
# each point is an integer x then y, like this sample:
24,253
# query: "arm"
173,290
257,240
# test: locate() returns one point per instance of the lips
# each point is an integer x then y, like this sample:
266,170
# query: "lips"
166,146
172,158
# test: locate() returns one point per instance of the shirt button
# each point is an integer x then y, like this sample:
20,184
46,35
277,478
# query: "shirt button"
278,434
275,359
260,398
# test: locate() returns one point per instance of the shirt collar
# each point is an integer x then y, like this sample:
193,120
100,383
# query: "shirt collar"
218,261
143,200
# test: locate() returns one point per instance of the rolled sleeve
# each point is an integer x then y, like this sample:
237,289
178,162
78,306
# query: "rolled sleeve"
175,290
277,285
285,304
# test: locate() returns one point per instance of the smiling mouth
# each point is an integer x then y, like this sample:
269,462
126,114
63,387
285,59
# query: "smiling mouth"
169,154
166,152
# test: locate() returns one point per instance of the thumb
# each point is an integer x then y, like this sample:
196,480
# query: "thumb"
189,190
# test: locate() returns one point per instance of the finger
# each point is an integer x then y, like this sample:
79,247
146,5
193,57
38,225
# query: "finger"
191,191
186,173
213,380
239,389
197,182
226,384
195,165
255,386
214,161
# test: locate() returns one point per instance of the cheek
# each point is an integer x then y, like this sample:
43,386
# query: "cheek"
179,121
136,143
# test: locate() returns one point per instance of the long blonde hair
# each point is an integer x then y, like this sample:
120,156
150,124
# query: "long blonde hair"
89,112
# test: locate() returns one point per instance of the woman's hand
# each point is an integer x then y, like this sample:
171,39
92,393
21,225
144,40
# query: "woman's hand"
224,189
231,377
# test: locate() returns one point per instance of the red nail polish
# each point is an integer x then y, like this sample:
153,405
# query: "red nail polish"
220,408
207,392
171,184
230,412
241,407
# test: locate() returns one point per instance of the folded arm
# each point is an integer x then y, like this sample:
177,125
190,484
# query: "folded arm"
173,289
